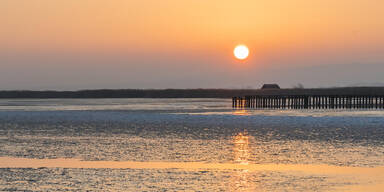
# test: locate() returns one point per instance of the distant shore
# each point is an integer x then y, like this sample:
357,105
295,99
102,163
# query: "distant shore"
188,93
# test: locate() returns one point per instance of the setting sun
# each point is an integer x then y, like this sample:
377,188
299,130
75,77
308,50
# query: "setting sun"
241,52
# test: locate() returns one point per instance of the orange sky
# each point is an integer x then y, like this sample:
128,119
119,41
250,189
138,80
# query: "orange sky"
186,43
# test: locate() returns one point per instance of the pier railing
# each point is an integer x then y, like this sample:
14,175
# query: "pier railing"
309,102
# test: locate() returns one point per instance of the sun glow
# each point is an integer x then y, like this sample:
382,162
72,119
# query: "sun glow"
241,52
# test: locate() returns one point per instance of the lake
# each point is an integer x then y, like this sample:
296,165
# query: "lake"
186,145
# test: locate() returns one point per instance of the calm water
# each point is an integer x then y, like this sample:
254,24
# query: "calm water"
186,145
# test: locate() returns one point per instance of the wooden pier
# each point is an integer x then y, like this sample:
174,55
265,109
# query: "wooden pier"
309,102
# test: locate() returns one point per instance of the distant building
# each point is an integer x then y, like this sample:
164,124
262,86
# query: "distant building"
270,86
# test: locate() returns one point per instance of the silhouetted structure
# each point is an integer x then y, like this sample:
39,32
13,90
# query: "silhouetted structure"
309,101
270,86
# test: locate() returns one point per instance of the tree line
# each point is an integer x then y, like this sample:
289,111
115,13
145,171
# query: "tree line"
188,93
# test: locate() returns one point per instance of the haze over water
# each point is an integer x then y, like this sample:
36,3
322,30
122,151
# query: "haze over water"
186,145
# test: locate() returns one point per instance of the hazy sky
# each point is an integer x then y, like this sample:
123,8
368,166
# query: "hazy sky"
88,44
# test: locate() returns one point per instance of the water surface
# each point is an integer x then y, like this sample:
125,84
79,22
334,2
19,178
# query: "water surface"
186,144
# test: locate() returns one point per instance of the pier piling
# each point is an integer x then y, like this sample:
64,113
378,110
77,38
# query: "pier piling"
308,102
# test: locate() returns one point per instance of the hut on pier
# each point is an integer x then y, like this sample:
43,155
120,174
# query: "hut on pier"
270,86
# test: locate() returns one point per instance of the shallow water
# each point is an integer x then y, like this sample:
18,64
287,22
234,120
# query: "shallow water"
169,136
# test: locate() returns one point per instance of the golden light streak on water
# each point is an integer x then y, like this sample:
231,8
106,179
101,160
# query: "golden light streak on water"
12,162
240,181
366,178
241,149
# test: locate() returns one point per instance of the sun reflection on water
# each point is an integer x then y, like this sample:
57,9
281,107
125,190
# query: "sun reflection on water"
241,178
241,112
241,151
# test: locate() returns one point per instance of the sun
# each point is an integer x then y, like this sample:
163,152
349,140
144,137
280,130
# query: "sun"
241,52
